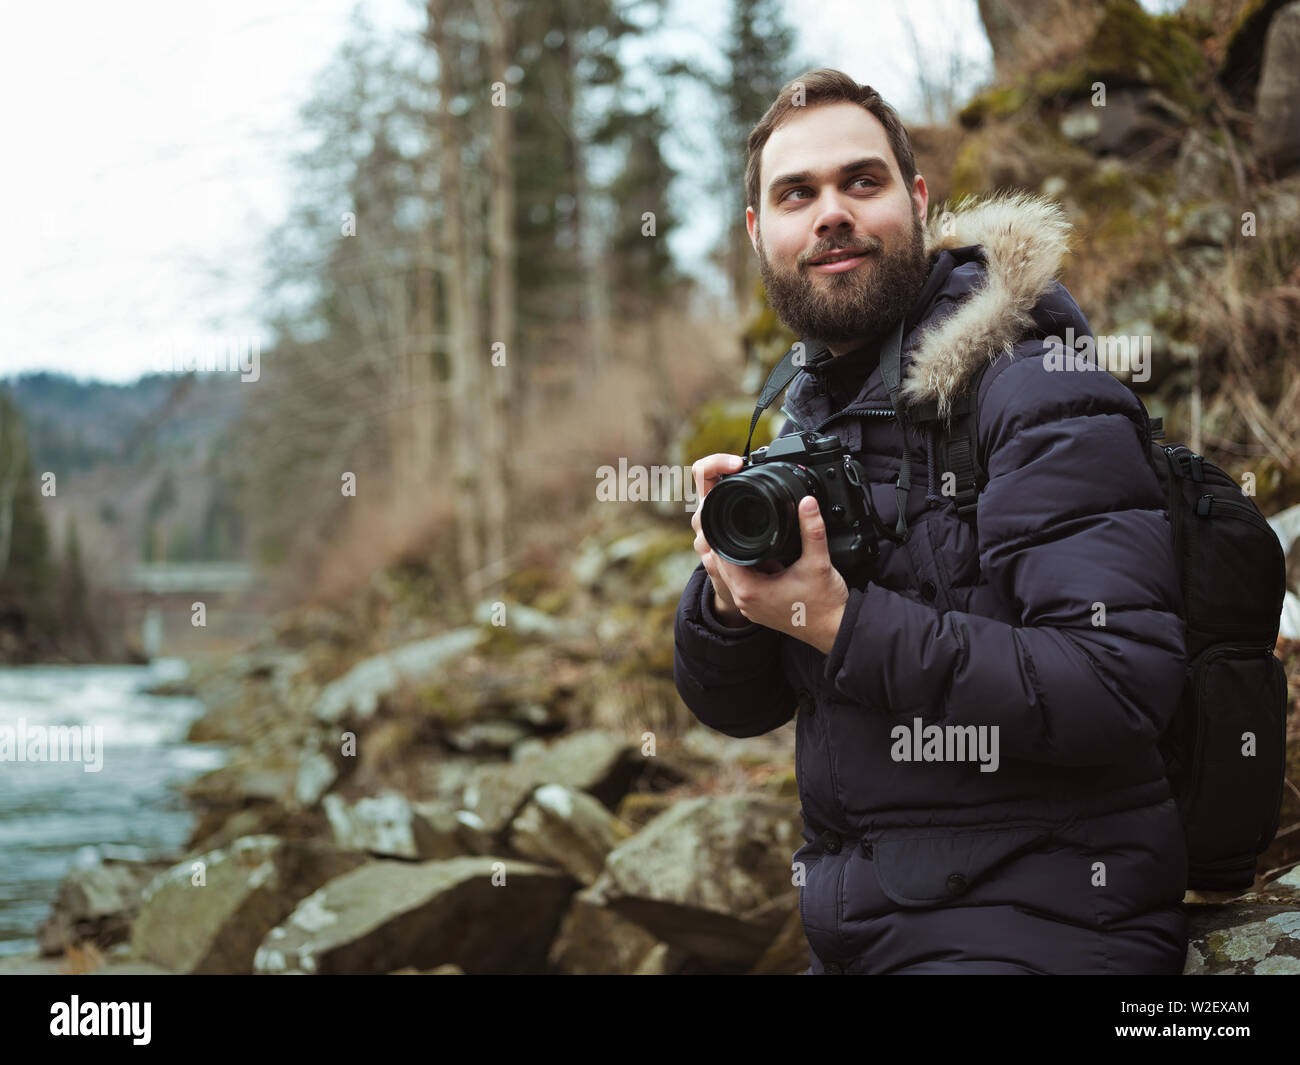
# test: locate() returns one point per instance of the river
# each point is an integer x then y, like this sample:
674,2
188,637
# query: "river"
58,812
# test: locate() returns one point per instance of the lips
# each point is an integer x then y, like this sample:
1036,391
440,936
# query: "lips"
837,256
841,265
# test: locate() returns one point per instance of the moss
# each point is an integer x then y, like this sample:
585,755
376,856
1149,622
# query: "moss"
440,704
527,583
501,641
1131,46
1001,101
721,427
968,172
555,601
1070,82
411,586
645,562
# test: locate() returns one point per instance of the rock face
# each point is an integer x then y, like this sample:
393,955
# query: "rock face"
387,824
96,904
355,696
1260,940
483,914
594,940
215,926
1277,101
567,828
593,761
711,876
1256,933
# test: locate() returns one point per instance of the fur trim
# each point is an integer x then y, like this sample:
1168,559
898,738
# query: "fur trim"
1024,239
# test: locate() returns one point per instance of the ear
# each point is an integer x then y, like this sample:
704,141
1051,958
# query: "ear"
751,224
920,197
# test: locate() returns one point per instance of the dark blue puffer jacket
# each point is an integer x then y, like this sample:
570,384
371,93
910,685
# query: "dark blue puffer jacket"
1058,622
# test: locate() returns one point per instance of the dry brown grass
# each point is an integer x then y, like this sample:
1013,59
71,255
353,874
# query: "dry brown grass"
81,958
579,418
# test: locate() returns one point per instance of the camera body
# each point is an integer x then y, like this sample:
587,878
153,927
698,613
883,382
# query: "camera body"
751,516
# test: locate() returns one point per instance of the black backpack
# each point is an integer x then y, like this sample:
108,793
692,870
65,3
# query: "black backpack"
1225,749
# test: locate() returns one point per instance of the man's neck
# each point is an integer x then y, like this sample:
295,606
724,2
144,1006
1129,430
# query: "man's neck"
871,340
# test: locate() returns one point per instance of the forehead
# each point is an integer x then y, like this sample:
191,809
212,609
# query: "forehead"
821,138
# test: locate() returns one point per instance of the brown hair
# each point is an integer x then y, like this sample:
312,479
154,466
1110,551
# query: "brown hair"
820,87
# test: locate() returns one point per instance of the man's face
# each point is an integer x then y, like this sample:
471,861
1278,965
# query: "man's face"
811,205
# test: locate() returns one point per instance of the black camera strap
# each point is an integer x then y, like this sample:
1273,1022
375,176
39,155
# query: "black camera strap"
891,370
782,374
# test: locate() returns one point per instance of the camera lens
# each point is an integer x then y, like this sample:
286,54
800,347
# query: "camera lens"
752,516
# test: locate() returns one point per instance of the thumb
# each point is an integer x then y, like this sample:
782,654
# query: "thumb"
811,526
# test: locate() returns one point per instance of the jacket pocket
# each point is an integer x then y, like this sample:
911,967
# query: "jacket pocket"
921,872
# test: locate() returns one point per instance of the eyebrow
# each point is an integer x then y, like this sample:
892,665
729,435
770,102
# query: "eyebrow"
870,162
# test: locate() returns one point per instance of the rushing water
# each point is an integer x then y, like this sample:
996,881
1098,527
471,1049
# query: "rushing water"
58,813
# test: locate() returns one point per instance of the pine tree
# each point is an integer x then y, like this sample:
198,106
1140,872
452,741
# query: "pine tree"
26,571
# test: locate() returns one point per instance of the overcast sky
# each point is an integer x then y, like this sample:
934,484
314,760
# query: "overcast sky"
147,147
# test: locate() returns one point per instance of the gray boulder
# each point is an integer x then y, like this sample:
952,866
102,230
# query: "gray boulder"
356,695
710,876
96,904
388,824
567,828
1276,130
486,915
214,926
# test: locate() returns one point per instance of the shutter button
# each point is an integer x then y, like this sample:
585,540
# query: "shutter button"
830,842
956,884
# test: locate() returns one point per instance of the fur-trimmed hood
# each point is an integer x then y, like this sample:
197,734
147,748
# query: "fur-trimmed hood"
1024,239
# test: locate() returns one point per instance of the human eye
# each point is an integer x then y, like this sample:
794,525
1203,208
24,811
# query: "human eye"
871,181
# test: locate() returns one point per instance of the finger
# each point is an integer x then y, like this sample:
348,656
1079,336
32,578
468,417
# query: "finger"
708,470
812,530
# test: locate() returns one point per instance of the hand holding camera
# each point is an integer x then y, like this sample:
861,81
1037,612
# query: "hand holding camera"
707,473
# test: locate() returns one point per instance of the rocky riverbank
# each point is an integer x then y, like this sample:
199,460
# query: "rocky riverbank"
521,794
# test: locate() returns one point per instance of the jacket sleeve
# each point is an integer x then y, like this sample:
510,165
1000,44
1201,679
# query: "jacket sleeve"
731,679
1073,537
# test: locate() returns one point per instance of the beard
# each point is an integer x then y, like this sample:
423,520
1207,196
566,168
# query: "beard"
861,304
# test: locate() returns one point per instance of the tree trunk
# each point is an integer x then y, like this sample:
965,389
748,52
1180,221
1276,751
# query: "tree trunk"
495,481
465,350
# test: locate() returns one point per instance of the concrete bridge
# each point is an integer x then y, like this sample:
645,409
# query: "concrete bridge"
164,591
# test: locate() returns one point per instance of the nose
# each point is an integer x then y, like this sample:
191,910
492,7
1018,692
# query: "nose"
832,214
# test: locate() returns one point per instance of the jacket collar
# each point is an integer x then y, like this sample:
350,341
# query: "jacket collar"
1021,240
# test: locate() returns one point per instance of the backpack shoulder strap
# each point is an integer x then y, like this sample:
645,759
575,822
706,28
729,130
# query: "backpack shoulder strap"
957,443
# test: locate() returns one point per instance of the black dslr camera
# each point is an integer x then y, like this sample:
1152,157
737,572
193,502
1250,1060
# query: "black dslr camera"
751,516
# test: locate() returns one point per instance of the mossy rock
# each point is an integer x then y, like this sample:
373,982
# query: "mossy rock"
645,563
1001,101
528,583
501,641
1243,58
720,427
443,705
1131,46
1023,155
